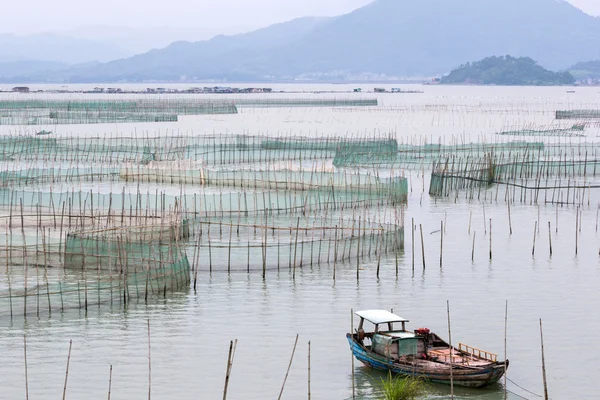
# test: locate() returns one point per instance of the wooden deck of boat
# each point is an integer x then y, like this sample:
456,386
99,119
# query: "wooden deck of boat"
443,354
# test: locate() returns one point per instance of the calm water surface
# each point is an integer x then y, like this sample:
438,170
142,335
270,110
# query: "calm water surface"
190,332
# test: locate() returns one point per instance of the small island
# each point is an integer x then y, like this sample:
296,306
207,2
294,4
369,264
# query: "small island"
508,71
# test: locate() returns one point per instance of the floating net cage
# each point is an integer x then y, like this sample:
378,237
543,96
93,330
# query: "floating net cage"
577,130
273,241
94,268
242,149
54,112
211,150
305,102
88,221
566,179
50,112
578,114
123,204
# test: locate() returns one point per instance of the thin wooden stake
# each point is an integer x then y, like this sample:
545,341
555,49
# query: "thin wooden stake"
490,238
505,355
550,238
473,249
26,376
450,345
149,364
543,363
308,370
534,237
351,354
422,245
441,242
109,382
509,219
288,369
576,230
64,396
470,216
228,370
413,243
357,256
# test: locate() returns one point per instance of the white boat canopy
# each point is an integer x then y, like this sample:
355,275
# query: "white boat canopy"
380,317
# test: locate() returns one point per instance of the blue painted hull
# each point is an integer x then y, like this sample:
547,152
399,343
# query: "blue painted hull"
480,377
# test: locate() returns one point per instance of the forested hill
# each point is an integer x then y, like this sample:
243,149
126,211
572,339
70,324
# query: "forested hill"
507,70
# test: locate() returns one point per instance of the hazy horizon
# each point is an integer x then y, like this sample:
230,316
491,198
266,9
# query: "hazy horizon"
203,18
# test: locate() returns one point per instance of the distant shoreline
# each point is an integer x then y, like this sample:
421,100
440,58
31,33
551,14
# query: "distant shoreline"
119,91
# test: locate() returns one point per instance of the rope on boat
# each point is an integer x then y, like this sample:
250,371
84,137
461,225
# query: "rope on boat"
528,391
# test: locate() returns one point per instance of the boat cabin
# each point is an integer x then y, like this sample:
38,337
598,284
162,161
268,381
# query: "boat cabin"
390,343
379,317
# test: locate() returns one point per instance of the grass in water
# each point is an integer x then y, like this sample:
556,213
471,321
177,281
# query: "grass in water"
405,388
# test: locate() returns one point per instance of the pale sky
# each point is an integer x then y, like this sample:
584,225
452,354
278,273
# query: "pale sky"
31,16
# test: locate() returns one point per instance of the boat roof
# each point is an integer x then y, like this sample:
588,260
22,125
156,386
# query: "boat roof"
380,316
399,335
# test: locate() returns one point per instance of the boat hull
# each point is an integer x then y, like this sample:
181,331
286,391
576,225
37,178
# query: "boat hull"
474,378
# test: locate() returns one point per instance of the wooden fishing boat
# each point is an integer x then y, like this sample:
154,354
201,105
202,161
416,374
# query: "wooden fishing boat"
421,353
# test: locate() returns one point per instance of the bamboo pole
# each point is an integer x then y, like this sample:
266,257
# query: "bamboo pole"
543,363
296,248
228,370
505,354
451,357
509,219
473,248
484,224
358,257
413,243
441,242
490,238
309,370
534,237
422,245
470,216
64,396
351,353
109,381
26,375
576,230
149,364
334,252
550,238
288,369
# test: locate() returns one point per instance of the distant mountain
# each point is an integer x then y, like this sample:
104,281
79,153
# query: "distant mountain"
36,71
139,40
507,70
586,70
56,48
215,58
387,37
25,68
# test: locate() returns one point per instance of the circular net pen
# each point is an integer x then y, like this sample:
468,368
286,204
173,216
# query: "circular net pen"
273,242
527,178
100,268
52,112
211,150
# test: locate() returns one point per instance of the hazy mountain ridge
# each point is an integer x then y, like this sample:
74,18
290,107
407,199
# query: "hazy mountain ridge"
388,37
56,48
